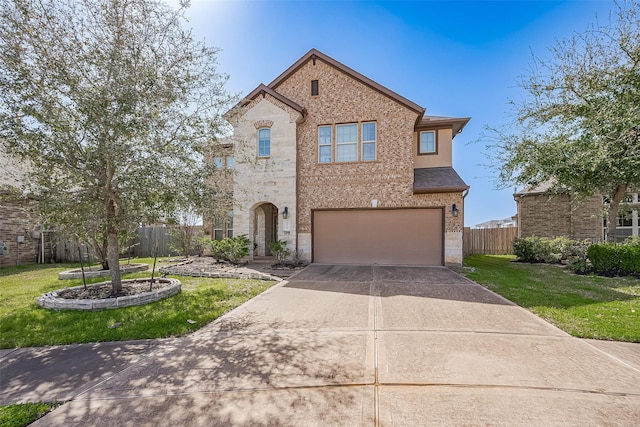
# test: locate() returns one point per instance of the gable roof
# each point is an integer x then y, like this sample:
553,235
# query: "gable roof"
262,90
437,180
422,121
315,54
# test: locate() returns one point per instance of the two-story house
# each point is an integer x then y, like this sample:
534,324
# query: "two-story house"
345,170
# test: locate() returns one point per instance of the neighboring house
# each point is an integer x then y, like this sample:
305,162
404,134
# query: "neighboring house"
20,239
545,215
345,170
499,223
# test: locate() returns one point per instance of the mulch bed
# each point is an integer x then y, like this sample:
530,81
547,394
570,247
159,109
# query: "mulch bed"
104,290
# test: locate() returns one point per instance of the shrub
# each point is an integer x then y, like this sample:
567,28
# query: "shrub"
231,249
202,243
553,251
523,248
279,250
579,265
615,258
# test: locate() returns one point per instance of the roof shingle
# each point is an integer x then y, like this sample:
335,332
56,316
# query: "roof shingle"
437,180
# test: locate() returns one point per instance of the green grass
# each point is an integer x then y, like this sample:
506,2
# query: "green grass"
23,414
606,308
24,324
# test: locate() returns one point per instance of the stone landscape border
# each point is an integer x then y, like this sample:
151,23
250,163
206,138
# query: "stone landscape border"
52,301
182,269
76,273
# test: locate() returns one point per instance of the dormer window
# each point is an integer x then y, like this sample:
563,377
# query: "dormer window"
428,142
264,142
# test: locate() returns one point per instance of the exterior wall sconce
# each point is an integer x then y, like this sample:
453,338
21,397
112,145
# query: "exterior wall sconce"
454,210
285,213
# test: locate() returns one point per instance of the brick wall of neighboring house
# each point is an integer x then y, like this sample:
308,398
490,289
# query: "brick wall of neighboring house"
389,178
552,216
18,219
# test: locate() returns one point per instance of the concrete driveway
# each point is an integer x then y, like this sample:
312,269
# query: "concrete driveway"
348,345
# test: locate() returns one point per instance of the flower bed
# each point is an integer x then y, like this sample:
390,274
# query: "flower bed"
93,299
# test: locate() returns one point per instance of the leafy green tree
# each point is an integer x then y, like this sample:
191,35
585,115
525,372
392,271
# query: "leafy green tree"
578,124
113,104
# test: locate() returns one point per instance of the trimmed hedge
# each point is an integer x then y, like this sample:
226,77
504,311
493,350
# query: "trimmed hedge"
615,258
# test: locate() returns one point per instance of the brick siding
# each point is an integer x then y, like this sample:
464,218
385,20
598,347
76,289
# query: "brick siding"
552,216
388,179
19,219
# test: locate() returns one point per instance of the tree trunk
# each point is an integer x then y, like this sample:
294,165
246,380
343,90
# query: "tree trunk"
104,255
113,248
612,216
113,256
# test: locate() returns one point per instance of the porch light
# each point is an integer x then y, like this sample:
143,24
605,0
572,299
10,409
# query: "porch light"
454,210
285,213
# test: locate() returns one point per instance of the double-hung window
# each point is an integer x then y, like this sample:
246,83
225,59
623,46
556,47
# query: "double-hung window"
427,142
369,141
325,144
264,142
347,143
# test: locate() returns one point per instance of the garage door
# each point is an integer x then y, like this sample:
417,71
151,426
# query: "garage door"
378,236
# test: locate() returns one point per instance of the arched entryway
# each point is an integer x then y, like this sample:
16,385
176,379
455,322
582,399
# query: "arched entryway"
265,228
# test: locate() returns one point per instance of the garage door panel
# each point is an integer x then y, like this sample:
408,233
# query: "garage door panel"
378,236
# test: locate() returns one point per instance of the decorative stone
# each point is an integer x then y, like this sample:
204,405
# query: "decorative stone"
90,272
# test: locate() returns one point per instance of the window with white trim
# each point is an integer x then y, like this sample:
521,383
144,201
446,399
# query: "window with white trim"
218,162
325,144
427,142
264,142
628,222
369,141
347,143
230,162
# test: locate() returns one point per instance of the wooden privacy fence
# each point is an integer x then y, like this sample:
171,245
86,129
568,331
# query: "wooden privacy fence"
143,245
489,241
147,239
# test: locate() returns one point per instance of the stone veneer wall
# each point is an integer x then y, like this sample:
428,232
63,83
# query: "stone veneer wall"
388,179
552,216
265,180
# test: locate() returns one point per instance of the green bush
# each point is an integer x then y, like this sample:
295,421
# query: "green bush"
231,249
615,258
552,251
279,250
579,265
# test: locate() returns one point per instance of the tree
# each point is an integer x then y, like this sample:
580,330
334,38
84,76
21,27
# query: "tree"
578,125
113,104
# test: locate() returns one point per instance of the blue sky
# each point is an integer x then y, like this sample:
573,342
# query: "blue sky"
454,58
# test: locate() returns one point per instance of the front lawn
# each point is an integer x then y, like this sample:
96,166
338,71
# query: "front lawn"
24,324
606,308
23,414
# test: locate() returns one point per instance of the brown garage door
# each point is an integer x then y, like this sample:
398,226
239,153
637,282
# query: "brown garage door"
378,236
